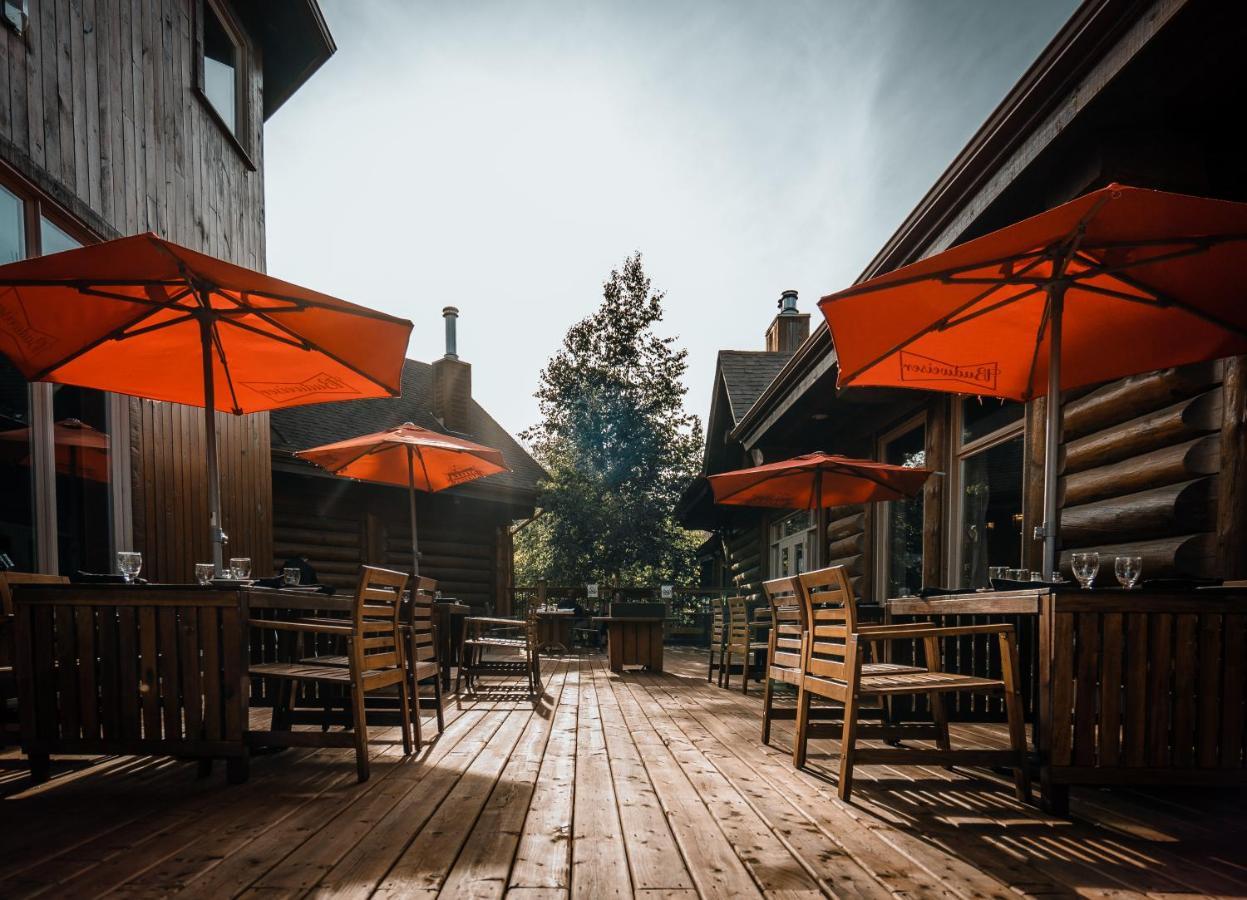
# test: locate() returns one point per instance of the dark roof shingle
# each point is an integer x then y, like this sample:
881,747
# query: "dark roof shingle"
303,427
746,374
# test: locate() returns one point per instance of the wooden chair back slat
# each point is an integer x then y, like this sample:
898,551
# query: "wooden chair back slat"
830,618
378,599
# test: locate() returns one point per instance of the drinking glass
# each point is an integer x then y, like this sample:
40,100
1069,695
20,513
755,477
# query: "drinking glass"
204,572
240,567
997,573
1086,567
1036,577
1016,575
129,564
1128,569
291,575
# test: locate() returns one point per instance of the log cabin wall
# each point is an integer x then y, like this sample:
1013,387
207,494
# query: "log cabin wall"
101,115
746,547
1141,471
848,537
339,526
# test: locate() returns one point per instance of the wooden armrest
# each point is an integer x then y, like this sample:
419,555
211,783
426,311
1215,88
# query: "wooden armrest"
903,632
868,629
487,620
285,625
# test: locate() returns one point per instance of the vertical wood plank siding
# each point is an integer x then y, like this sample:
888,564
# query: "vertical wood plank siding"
98,108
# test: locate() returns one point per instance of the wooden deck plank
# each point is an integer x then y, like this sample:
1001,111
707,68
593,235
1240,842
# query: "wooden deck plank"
654,859
485,863
543,858
599,861
424,864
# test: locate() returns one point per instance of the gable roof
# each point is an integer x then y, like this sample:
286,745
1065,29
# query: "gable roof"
303,427
746,374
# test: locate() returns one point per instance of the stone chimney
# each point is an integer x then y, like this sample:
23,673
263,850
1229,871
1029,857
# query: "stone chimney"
452,380
789,328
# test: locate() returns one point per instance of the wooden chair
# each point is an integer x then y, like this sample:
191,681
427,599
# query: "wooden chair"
375,662
515,637
422,662
9,727
718,636
833,666
783,647
760,627
735,639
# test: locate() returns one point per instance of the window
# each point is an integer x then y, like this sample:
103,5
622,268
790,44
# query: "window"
900,524
790,544
222,68
989,489
57,488
15,15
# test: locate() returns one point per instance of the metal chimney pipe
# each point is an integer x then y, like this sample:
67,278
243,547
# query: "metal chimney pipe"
788,302
451,315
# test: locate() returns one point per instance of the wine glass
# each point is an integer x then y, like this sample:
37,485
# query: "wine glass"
1086,566
1128,569
204,572
129,564
997,573
291,575
240,567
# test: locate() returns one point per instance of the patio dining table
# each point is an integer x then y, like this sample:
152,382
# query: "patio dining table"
1144,686
148,669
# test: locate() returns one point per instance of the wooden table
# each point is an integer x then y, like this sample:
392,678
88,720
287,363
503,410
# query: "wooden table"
554,629
156,670
448,616
1127,687
634,641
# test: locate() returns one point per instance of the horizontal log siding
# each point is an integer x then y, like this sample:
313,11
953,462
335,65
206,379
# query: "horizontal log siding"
339,526
98,109
746,548
848,545
1140,472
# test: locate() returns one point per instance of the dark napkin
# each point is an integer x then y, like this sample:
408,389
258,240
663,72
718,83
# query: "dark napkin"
1179,584
101,578
1004,584
943,591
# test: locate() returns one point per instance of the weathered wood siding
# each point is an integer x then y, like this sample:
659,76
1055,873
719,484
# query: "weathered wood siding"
340,526
99,111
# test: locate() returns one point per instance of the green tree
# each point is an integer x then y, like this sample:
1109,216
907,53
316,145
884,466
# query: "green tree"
617,445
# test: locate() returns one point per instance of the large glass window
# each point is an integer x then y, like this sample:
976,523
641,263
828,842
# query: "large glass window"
46,427
902,519
990,489
17,516
12,228
790,544
221,67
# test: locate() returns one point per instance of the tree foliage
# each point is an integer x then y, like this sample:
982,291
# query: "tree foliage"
617,445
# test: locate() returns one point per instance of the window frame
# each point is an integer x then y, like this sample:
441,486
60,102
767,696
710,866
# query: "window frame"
240,137
38,206
883,510
960,453
775,538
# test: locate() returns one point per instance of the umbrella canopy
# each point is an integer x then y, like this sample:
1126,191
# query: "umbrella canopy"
409,455
81,451
146,317
1116,282
817,481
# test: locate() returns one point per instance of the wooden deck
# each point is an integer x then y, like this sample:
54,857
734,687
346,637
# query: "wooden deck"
652,786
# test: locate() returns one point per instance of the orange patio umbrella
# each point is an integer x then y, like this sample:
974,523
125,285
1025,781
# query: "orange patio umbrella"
149,318
407,454
817,481
1119,281
81,451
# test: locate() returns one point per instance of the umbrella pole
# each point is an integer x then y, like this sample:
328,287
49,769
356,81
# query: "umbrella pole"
820,523
1052,437
411,497
214,479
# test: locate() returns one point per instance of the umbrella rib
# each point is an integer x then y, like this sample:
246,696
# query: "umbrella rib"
301,304
319,349
148,329
941,274
1043,326
279,338
229,378
115,334
953,323
934,326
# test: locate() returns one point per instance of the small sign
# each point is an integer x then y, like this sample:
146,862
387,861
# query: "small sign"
591,590
667,591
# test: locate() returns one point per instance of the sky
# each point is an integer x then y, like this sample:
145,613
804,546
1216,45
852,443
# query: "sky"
503,156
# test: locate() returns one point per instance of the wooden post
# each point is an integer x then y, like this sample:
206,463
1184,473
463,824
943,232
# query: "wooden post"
541,593
933,493
1232,499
